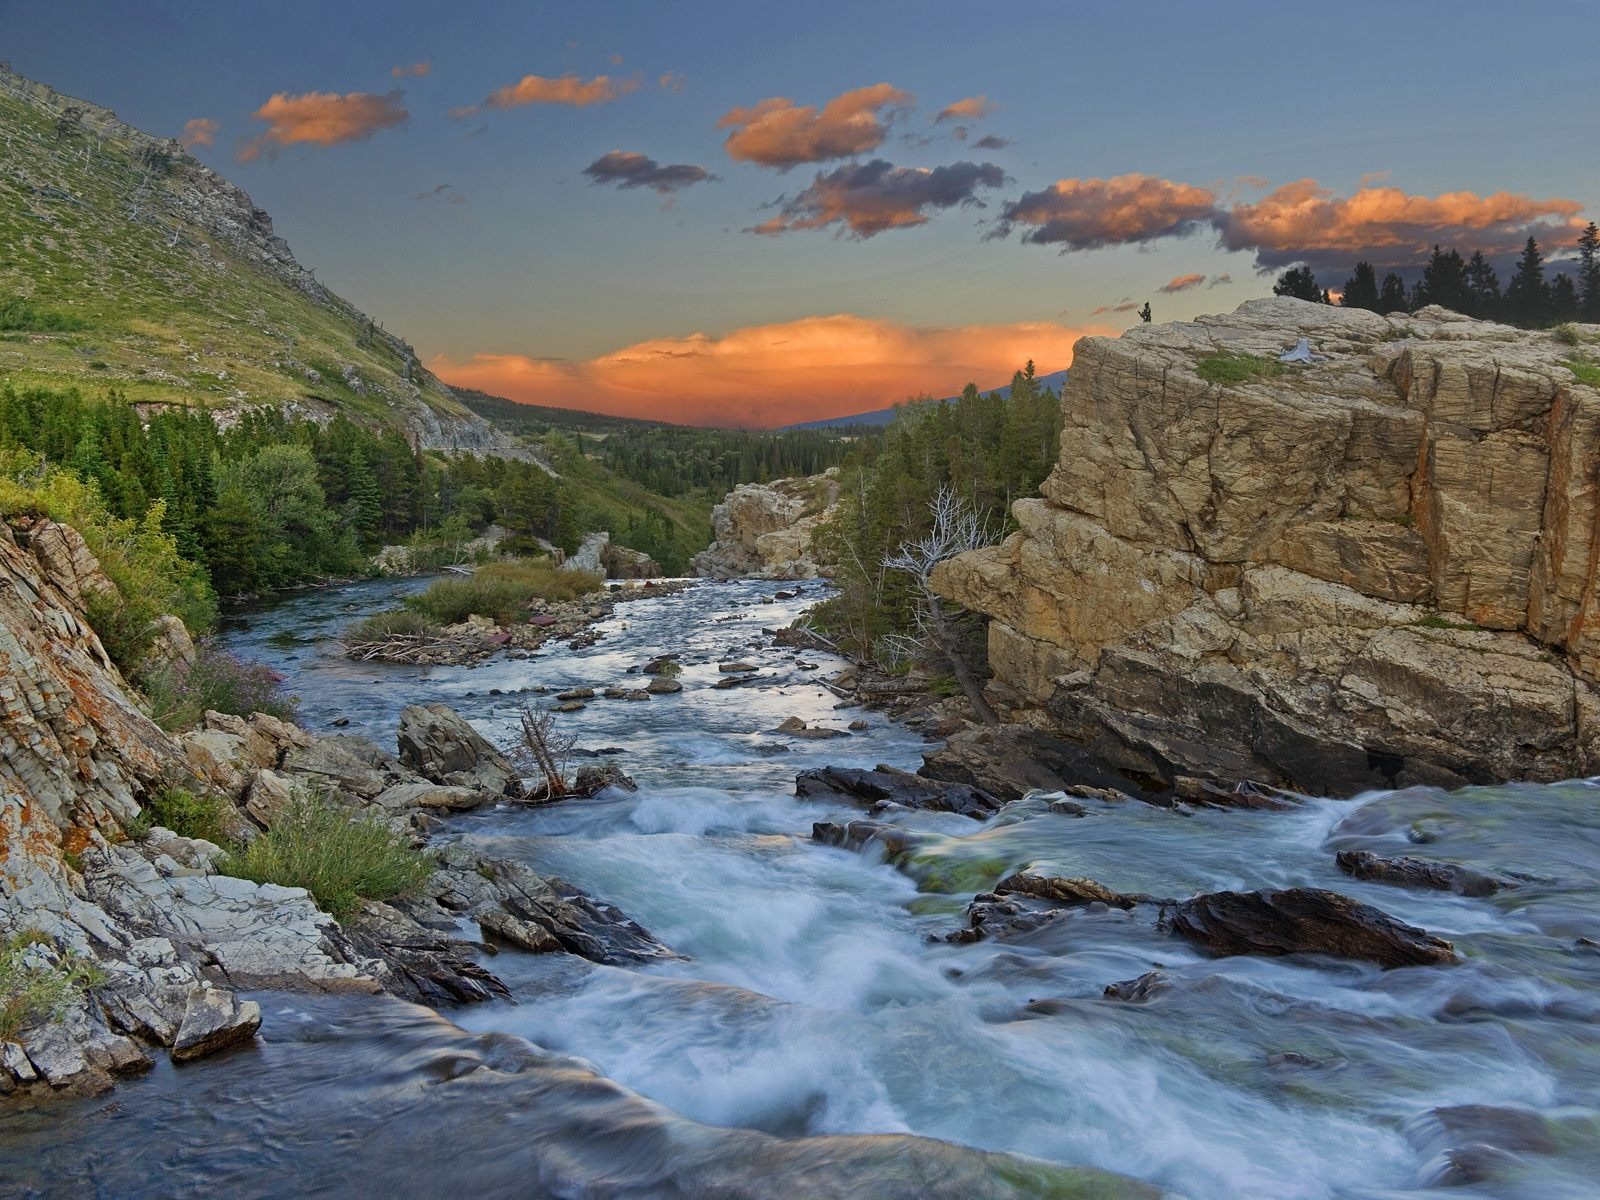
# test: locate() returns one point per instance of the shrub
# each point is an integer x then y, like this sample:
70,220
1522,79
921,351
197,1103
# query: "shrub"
1566,333
36,984
1586,371
500,591
380,627
191,815
336,855
1226,369
180,695
19,314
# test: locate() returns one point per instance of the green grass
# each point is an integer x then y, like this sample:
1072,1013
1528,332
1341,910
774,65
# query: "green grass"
338,856
36,983
383,626
1226,369
500,591
19,314
1566,333
191,815
1586,371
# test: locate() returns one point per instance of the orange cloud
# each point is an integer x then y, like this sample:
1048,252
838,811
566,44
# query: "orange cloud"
202,131
323,119
417,70
672,82
1305,222
973,108
567,89
780,133
1182,283
767,375
1081,214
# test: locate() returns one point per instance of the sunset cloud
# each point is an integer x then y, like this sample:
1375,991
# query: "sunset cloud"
671,82
626,169
1299,222
1083,214
323,119
973,108
767,375
201,131
416,70
779,133
868,198
569,89
1306,222
1182,283
1126,306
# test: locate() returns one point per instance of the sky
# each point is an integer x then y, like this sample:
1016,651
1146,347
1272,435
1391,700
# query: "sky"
754,214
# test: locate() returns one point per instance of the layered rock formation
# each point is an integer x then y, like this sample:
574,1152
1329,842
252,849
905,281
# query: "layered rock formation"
610,560
1374,570
765,530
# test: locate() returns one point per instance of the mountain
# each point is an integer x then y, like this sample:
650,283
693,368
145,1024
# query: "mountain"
126,263
534,419
1055,380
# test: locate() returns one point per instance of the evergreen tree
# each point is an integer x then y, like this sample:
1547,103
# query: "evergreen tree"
1527,299
1563,298
1299,282
1589,273
1361,289
1392,297
1444,282
1483,287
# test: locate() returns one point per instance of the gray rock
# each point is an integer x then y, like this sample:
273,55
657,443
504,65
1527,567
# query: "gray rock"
214,1020
437,743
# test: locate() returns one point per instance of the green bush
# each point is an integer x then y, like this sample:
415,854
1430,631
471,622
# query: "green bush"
500,591
36,984
19,314
217,681
1566,333
1586,371
382,626
336,855
191,815
1226,369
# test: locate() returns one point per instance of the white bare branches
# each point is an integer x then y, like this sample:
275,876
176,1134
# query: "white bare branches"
957,528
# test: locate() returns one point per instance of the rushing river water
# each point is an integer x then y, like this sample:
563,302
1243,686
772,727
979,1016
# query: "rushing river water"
812,1003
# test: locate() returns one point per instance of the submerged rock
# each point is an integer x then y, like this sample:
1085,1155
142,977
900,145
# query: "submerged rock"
1420,873
1306,921
1076,890
886,785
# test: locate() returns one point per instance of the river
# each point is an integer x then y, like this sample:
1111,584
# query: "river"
816,1001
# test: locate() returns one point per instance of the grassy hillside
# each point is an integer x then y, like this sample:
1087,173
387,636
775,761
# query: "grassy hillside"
125,262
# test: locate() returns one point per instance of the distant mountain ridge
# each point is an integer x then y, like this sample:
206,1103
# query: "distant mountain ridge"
126,262
882,416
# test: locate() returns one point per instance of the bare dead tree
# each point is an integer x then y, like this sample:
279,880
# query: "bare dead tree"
957,528
547,749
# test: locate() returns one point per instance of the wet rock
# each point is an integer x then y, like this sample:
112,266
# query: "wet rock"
404,796
590,781
1140,990
425,965
795,727
214,1020
736,668
896,787
614,693
858,725
437,743
858,835
1009,761
1406,871
1305,921
636,694
1068,808
1058,890
733,681
659,664
1002,918
663,686
571,706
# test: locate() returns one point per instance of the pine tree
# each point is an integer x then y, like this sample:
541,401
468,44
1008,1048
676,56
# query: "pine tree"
1483,287
1392,297
1299,282
1443,282
1589,273
1563,298
1527,298
1361,289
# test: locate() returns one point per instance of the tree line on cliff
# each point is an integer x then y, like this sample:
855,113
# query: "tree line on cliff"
1472,286
984,449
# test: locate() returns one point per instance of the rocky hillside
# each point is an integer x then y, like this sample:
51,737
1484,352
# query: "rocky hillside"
765,530
125,262
1371,570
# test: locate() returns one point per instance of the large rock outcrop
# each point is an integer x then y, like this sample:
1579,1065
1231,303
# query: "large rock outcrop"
765,530
1374,570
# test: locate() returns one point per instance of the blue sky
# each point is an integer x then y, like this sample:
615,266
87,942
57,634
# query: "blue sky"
535,262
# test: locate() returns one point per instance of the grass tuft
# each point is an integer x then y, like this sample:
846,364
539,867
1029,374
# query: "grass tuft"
191,815
500,591
36,983
1586,371
1226,369
338,856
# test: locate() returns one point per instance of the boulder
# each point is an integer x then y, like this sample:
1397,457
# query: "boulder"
1420,873
1306,921
766,530
214,1020
437,743
885,785
1058,890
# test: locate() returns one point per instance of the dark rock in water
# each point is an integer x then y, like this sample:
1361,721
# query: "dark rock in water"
663,686
1137,991
1009,761
658,664
583,693
858,835
1002,918
1419,872
795,727
425,965
591,780
898,787
1068,808
733,681
1479,1143
1058,890
1241,795
1306,921
736,668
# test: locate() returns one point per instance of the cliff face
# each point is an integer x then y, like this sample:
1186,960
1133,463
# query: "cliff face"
1369,571
765,530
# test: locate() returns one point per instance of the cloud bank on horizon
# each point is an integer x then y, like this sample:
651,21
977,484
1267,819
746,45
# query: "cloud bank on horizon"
762,376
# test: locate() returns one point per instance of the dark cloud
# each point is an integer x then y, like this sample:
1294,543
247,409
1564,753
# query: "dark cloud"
1083,214
438,191
1219,280
626,169
863,199
990,141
